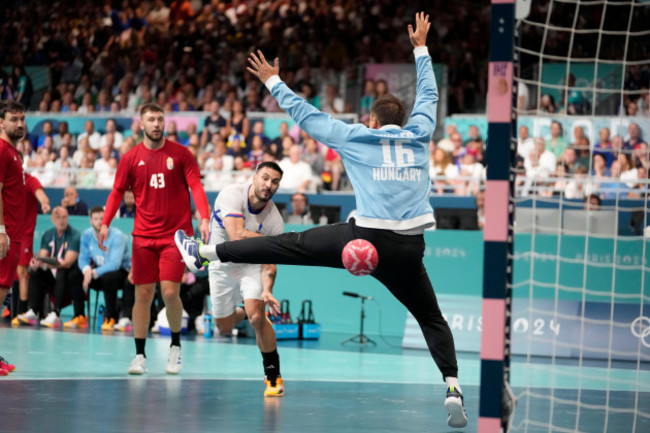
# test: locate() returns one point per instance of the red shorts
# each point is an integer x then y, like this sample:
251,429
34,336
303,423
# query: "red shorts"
27,250
8,265
156,260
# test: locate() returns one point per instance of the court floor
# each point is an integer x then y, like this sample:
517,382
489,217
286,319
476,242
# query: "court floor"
76,382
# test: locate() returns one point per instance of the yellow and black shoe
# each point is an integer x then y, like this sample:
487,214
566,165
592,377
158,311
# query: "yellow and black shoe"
274,387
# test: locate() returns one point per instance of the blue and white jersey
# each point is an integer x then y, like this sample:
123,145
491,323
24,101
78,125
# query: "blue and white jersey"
232,201
388,167
117,256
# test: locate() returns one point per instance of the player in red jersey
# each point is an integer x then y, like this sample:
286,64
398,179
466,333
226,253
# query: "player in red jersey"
12,200
35,195
160,173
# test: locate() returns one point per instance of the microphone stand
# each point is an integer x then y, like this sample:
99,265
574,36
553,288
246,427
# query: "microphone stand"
360,338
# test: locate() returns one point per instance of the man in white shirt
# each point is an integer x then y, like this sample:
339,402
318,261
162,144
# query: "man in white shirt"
102,164
94,138
244,211
111,128
540,162
446,144
297,173
525,143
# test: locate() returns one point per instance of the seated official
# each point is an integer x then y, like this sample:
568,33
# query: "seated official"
73,203
104,270
299,210
62,275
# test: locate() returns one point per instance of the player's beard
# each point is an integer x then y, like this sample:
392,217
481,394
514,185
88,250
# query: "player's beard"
153,136
260,195
16,134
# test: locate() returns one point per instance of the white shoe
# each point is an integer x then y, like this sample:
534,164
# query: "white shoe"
138,365
174,363
189,249
52,320
124,325
28,318
199,324
455,406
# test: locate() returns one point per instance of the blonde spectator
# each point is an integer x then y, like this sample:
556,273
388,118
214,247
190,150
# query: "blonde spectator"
446,144
443,172
87,177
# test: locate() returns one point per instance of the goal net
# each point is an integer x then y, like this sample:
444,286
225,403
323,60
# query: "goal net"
580,318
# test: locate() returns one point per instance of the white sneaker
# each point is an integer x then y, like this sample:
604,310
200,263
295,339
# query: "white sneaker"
138,365
199,324
456,407
124,325
189,249
52,320
174,363
28,318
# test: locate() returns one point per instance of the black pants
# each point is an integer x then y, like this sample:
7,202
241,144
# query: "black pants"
67,282
128,299
193,297
110,283
400,269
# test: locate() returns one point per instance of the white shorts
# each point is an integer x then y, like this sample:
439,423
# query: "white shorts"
232,283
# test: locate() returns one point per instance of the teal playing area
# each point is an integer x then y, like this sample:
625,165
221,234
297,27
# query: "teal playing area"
77,382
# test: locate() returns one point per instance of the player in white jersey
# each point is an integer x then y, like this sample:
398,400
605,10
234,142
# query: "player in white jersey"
388,165
243,211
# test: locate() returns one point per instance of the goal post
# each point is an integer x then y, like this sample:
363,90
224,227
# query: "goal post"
496,404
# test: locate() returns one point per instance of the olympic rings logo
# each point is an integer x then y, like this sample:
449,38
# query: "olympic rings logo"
641,329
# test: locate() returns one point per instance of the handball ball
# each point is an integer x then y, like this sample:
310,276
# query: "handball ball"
359,257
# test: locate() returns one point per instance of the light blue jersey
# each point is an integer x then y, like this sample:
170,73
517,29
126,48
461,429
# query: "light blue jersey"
117,256
388,167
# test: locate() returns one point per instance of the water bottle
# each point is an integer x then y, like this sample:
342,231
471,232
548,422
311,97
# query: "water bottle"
322,221
100,318
207,325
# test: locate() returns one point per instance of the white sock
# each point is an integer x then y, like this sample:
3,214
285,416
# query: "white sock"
453,381
209,252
